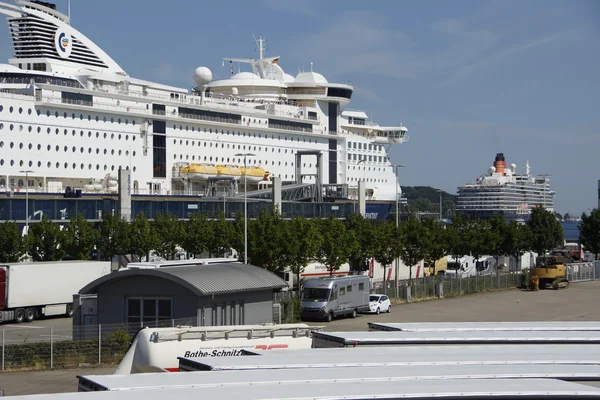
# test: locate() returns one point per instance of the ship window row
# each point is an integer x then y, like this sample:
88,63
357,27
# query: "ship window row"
81,116
355,157
65,165
379,180
354,167
18,78
241,133
105,135
365,146
73,149
232,146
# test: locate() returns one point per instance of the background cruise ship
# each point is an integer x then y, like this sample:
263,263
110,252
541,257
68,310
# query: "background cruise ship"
502,191
70,116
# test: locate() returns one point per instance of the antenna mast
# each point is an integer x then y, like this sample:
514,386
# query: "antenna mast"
69,10
261,44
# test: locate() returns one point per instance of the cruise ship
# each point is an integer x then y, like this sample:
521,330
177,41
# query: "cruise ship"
71,117
503,191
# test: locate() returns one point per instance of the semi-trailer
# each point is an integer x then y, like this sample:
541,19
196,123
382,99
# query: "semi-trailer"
34,289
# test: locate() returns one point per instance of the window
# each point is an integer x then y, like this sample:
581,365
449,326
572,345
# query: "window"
361,286
342,291
148,312
349,288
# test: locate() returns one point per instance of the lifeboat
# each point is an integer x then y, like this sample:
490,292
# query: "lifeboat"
229,171
199,172
253,174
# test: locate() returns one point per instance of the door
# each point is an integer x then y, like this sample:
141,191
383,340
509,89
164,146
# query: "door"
2,287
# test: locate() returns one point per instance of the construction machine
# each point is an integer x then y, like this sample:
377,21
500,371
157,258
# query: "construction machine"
550,272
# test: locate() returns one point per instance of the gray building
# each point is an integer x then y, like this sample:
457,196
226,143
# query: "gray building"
204,295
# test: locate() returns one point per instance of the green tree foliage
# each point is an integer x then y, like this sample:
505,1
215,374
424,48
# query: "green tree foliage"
458,240
114,236
266,243
479,238
589,231
387,244
364,230
303,240
12,244
80,237
223,237
197,233
517,240
170,233
497,237
414,243
421,205
143,237
46,241
546,231
337,244
438,243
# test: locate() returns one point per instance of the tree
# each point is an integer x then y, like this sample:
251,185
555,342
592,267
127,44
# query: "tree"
114,236
266,244
478,237
45,241
517,240
546,231
80,237
438,243
222,238
197,233
457,237
303,240
497,237
365,233
337,244
414,243
143,236
589,231
387,245
12,244
170,233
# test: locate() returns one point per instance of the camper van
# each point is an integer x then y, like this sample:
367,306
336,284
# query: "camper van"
326,298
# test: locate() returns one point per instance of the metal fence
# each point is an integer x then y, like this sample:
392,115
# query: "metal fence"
449,285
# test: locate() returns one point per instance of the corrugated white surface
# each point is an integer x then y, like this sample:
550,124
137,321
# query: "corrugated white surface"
487,326
458,388
402,372
406,355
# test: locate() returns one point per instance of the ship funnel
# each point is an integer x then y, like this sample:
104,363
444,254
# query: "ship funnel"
500,163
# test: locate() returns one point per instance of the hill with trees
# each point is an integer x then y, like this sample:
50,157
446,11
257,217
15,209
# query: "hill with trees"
427,199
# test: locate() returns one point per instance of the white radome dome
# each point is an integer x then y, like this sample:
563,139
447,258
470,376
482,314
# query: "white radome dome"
234,91
202,76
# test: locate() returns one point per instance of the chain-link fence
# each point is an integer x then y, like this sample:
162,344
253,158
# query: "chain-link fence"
449,285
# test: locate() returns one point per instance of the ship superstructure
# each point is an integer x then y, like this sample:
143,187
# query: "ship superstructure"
503,191
71,117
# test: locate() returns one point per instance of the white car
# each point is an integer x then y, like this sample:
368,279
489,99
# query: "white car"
379,303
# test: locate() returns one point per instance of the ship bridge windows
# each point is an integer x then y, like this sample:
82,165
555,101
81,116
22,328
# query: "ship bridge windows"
19,78
339,92
78,99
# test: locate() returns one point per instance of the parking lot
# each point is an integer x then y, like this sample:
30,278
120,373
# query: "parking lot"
578,303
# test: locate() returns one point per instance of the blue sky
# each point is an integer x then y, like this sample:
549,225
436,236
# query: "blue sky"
467,78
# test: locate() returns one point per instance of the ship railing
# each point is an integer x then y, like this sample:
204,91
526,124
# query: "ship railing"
17,96
96,104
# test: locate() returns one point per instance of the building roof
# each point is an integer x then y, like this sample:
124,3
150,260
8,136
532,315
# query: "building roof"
202,279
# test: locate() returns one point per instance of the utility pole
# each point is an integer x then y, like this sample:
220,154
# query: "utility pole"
245,155
397,261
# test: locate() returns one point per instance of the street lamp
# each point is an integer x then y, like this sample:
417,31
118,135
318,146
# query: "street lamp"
26,172
245,155
397,269
356,196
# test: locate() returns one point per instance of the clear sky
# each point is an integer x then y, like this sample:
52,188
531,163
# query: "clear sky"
468,79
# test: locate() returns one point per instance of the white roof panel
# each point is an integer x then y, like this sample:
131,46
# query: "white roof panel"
405,355
487,326
365,374
460,337
416,389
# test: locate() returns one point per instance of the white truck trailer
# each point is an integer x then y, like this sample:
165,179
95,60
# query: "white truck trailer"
158,349
31,290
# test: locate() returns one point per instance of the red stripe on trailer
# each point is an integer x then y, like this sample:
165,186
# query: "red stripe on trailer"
172,369
389,275
418,270
371,268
